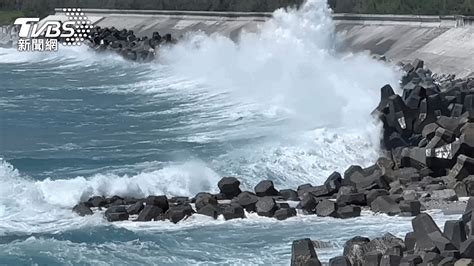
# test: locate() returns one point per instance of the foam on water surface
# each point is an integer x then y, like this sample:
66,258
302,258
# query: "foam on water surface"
280,104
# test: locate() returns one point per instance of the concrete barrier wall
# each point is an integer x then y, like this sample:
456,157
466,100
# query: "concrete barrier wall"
446,43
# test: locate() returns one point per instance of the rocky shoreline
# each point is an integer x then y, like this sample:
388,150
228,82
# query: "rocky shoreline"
428,141
425,245
125,43
8,36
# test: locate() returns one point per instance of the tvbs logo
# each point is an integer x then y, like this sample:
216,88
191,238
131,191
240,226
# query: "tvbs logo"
45,37
50,29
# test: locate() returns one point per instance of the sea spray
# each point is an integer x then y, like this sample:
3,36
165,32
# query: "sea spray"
290,63
300,108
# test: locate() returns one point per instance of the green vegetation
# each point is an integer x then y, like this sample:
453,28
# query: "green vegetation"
41,8
7,17
418,7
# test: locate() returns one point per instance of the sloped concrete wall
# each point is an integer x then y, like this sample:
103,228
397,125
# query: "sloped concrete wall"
445,43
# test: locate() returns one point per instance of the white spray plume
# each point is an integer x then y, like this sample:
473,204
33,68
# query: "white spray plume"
290,63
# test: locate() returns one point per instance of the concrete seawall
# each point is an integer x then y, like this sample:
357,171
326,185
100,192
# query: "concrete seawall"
446,43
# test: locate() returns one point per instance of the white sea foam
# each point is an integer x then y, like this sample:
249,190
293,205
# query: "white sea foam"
290,64
309,104
27,205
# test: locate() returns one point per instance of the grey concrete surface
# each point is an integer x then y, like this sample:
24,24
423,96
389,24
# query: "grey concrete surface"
446,43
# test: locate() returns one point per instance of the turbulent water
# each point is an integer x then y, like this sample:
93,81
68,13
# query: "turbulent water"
280,104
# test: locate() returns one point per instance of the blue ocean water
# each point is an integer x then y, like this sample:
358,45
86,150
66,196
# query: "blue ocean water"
74,124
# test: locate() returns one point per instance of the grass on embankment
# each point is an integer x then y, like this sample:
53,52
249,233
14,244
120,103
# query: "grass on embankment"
8,17
414,7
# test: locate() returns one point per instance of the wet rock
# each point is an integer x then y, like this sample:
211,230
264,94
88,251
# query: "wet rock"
432,187
326,208
130,200
410,207
455,231
385,92
396,249
316,191
97,201
178,213
303,253
303,189
441,241
352,199
396,188
442,137
411,260
117,216
464,262
283,205
283,214
463,168
348,211
333,183
209,210
390,260
220,196
233,211
371,195
372,258
229,186
432,258
116,213
289,194
308,202
266,206
179,200
410,241
353,174
414,157
265,188
344,190
364,178
149,213
114,201
354,251
429,130
135,208
418,63
469,185
398,116
82,209
461,189
384,244
385,204
339,261
467,248
448,261
248,200
445,194
408,68
467,219
469,205
126,44
202,199
158,201
409,194
423,225
451,254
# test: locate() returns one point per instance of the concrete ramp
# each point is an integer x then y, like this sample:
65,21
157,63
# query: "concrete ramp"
445,43
145,22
